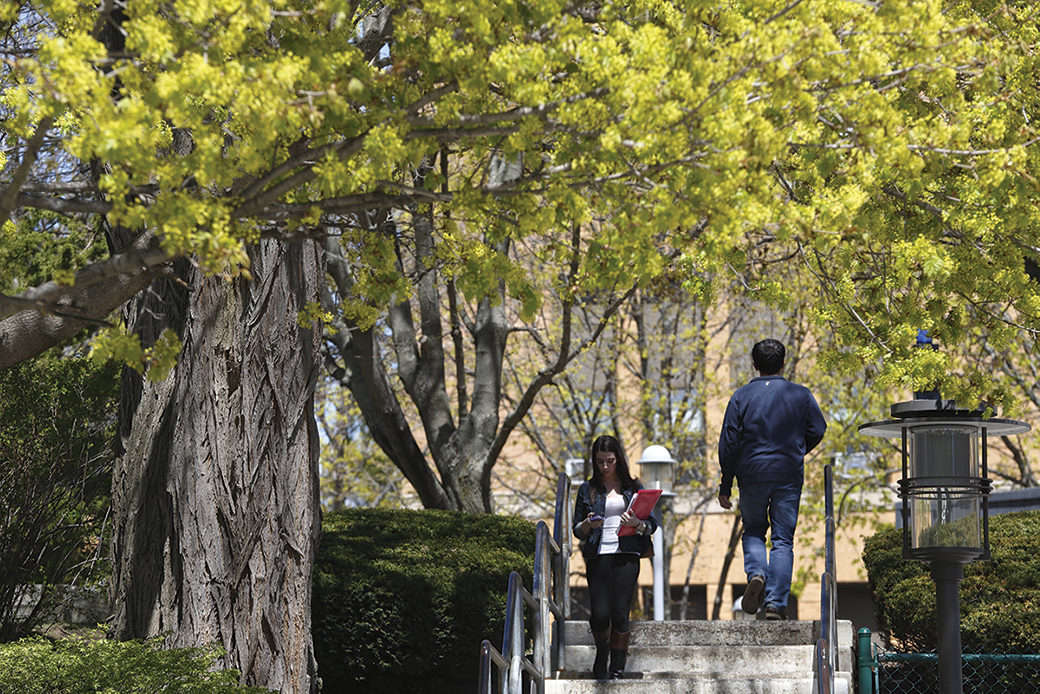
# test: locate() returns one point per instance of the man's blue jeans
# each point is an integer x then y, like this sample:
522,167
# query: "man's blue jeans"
771,505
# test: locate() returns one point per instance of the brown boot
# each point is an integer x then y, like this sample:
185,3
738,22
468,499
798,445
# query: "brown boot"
599,668
618,653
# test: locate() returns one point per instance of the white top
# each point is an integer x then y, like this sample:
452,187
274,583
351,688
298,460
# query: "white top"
616,505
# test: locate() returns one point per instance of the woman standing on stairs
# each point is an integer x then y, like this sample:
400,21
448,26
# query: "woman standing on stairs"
612,562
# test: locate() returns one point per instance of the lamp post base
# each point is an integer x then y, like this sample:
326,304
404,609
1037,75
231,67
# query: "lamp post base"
947,576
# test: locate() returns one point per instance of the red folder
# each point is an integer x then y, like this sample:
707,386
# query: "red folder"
642,506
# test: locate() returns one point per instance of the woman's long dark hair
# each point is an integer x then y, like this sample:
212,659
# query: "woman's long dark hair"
609,444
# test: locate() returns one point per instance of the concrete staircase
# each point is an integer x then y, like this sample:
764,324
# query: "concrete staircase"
701,657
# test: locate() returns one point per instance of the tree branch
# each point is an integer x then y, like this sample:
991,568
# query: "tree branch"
1025,470
513,114
546,376
10,196
364,375
29,333
60,205
144,253
431,396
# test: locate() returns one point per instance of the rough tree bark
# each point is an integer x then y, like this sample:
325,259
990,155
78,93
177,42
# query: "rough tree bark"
215,494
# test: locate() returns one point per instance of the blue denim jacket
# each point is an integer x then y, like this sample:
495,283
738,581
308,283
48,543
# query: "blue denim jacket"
634,544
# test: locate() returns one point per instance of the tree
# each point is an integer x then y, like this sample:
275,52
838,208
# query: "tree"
57,416
464,434
889,147
1017,361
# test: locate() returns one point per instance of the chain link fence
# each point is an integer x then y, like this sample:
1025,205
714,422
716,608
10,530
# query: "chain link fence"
984,673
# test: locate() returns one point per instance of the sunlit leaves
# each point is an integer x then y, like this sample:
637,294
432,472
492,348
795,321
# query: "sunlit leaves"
43,247
891,148
155,361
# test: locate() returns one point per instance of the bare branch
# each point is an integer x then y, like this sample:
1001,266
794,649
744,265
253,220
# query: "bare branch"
545,376
518,113
10,196
972,152
60,205
782,12
432,95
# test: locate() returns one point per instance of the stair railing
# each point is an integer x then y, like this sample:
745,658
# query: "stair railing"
551,596
827,645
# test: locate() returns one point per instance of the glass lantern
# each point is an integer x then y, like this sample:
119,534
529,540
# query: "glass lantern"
945,489
658,468
945,484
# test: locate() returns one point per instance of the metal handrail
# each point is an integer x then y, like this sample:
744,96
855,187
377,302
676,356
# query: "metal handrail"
563,526
551,596
827,645
823,685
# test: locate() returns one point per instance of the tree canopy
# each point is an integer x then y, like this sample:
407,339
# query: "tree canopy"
890,146
490,161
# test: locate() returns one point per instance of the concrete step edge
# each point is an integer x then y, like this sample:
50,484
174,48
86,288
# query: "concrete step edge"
700,632
693,677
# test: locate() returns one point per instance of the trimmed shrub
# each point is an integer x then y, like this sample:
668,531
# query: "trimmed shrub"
94,665
402,599
1000,598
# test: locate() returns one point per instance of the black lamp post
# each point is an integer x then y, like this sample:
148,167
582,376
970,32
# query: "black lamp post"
945,492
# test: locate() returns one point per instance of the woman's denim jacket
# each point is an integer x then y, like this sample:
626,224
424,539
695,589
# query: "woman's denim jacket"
637,544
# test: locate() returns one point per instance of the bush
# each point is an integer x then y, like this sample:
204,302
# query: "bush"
57,420
93,665
402,599
1000,598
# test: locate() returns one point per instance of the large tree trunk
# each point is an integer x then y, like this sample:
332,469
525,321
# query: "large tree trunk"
216,493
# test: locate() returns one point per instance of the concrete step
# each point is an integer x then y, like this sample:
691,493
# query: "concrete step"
706,657
716,633
751,642
702,660
716,685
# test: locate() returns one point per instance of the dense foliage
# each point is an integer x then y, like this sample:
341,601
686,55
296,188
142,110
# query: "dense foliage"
403,599
57,418
93,665
890,148
1000,598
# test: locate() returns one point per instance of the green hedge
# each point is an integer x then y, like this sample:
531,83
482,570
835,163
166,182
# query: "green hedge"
1000,599
402,599
95,665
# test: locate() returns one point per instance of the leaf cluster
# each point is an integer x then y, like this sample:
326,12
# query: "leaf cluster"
43,246
887,147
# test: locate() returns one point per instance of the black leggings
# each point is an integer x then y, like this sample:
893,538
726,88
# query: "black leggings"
612,579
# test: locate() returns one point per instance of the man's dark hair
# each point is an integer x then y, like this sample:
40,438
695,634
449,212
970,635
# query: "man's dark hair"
768,356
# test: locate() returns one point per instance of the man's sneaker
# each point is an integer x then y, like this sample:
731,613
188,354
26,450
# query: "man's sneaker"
775,613
752,596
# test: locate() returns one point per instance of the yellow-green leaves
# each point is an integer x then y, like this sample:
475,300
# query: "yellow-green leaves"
314,316
891,150
155,361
